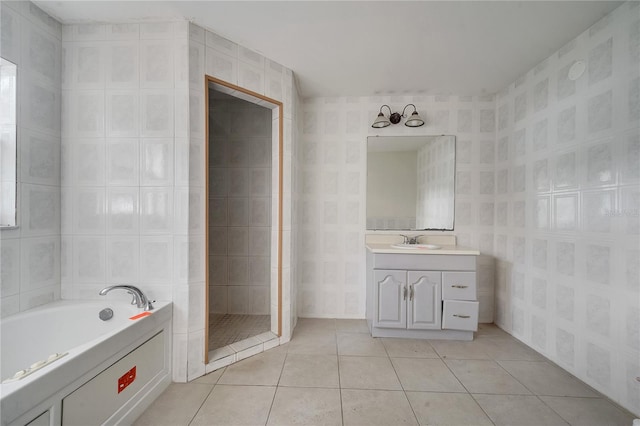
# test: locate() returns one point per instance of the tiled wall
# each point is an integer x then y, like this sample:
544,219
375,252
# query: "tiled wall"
210,54
333,192
567,207
239,206
125,164
30,254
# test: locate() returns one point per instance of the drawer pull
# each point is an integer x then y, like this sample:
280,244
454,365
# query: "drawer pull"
459,286
404,293
462,316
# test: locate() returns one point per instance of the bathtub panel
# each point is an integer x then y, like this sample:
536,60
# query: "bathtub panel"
43,419
101,397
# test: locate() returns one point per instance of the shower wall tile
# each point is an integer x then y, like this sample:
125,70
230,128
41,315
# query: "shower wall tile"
216,56
240,206
578,147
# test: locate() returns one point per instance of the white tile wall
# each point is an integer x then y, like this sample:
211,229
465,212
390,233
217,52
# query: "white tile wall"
567,148
333,217
221,58
240,155
124,214
30,255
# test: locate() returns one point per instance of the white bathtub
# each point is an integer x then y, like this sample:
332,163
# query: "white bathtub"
90,346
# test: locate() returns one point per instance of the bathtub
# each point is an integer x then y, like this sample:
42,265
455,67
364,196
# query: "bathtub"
74,364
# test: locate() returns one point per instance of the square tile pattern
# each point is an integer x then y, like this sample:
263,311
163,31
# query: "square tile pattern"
225,329
334,373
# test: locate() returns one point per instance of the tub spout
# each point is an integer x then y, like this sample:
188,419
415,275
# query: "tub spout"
139,298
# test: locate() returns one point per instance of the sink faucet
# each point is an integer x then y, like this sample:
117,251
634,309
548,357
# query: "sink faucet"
139,298
411,240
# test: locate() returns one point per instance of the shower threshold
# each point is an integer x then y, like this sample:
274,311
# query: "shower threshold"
235,337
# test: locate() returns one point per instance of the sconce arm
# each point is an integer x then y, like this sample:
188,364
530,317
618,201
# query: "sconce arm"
405,108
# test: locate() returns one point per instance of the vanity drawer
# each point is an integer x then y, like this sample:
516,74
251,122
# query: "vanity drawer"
460,315
459,285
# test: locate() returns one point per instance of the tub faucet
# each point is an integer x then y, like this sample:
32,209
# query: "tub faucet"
139,298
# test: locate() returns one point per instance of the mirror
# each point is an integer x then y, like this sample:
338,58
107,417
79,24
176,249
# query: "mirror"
8,150
411,182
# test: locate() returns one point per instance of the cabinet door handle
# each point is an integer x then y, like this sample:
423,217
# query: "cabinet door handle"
461,316
459,286
411,292
404,293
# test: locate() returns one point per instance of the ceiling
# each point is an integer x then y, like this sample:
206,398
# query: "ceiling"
360,48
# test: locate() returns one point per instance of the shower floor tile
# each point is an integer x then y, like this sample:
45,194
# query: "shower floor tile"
225,329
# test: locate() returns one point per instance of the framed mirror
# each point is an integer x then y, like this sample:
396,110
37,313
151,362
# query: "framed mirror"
8,143
411,182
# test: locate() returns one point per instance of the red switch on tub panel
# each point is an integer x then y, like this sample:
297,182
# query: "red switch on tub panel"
126,379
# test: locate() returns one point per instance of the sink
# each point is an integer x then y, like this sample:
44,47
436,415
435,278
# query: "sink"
416,246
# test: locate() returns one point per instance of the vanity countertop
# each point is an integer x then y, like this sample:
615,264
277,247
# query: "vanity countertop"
444,249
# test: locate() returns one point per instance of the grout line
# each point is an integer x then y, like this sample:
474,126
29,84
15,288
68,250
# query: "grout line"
195,414
277,386
404,391
335,336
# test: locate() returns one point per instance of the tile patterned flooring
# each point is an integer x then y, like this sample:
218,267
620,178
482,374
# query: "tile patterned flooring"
333,372
225,329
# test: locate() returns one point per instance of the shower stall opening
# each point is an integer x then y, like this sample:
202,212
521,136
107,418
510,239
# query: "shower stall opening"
240,220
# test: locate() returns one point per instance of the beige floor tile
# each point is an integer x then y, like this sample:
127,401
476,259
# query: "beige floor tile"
376,407
543,378
314,324
409,348
360,344
481,376
491,330
306,406
176,406
211,378
351,326
451,349
423,374
589,411
507,348
236,405
366,372
447,409
314,343
518,410
261,369
314,371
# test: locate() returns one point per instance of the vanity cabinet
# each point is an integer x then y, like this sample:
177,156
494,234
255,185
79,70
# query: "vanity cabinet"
428,296
407,299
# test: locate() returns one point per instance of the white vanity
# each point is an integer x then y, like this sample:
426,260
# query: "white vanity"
422,292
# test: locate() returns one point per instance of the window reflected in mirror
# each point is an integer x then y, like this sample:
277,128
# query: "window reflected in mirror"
411,182
8,143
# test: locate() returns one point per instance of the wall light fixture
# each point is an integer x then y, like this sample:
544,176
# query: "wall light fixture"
394,118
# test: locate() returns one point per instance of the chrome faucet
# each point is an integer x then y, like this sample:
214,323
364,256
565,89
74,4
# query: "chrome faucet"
139,298
411,240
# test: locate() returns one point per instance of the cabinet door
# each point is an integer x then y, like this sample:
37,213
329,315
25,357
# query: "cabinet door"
425,301
390,299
